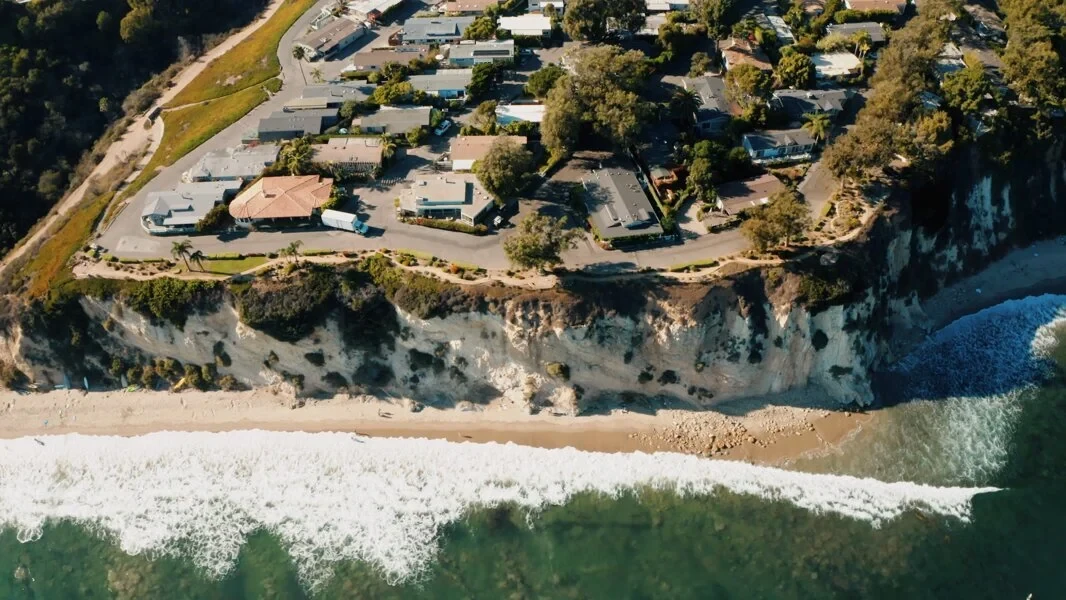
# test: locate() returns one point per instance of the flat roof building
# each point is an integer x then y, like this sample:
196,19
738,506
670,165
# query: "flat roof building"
375,59
773,146
287,125
618,205
512,113
363,154
528,25
372,10
874,30
494,51
896,6
468,7
338,35
396,120
737,196
336,94
445,83
242,163
435,30
445,197
830,65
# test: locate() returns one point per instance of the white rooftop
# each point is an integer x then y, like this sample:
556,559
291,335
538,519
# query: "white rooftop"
509,113
529,22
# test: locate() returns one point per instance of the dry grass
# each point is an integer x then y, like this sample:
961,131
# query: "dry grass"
48,267
249,63
186,128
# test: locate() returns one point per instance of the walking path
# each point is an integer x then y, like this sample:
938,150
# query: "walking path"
136,137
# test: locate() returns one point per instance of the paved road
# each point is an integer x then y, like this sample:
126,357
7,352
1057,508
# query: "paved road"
125,237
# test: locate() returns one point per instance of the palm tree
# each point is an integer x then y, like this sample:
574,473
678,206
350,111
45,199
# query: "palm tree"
818,125
299,52
298,156
198,257
181,250
862,41
316,75
388,146
293,251
684,105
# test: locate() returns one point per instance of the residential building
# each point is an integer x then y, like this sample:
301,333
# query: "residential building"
372,11
396,120
446,83
896,6
375,59
772,146
333,95
538,6
446,197
714,112
796,104
468,55
281,200
831,65
875,31
737,51
948,61
661,6
736,197
180,209
987,22
360,154
465,150
335,36
783,31
512,113
618,206
528,25
435,30
242,163
652,23
468,7
285,125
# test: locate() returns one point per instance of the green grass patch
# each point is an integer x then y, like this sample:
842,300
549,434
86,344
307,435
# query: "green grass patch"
48,268
317,252
249,63
229,266
185,129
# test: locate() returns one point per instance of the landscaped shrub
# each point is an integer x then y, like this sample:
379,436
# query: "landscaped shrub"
558,370
451,225
290,309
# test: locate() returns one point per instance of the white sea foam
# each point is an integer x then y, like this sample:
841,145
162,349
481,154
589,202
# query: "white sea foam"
332,496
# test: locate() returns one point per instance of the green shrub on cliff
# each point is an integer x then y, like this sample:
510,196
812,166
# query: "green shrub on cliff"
171,300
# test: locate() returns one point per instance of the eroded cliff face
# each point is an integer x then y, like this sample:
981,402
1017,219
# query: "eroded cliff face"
752,334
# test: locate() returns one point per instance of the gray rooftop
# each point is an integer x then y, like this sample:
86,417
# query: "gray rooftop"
737,196
300,123
244,162
766,140
797,103
712,92
877,33
435,27
398,119
329,38
397,54
338,93
491,49
445,79
618,205
187,203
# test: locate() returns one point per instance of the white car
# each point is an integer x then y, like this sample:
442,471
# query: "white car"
497,221
443,127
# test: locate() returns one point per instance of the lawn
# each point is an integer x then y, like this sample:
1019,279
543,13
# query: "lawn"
230,266
186,128
47,269
249,63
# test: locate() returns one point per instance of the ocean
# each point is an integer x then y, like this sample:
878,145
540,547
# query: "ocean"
956,489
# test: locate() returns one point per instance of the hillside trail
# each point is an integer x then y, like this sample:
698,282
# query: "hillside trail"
136,138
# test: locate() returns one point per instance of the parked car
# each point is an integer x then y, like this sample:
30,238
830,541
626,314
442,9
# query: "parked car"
497,221
445,125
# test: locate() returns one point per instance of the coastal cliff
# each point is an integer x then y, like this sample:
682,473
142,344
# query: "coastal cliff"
828,319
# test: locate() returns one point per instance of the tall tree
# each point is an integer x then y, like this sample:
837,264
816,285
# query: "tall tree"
540,242
293,251
198,257
747,85
505,169
713,14
684,104
297,156
543,80
181,250
795,70
818,125
562,119
592,20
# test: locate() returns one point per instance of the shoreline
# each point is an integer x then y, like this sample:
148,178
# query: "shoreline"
771,430
769,435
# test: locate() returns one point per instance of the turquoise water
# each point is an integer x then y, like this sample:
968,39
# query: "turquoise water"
641,541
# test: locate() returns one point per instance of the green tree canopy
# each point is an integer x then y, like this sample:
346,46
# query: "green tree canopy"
592,20
701,63
543,79
392,93
482,79
505,170
483,28
747,85
540,242
796,71
778,222
562,119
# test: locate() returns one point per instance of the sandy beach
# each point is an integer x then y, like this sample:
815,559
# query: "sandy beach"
770,434
770,431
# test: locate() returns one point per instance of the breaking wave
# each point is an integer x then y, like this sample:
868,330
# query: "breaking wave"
337,497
